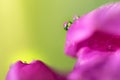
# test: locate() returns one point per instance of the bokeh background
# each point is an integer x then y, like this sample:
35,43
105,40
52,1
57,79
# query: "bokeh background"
33,29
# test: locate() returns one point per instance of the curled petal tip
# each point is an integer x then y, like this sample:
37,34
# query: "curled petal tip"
36,70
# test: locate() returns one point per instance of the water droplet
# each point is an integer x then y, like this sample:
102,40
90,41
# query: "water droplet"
75,17
67,25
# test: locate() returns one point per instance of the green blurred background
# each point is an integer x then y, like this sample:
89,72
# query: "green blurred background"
33,29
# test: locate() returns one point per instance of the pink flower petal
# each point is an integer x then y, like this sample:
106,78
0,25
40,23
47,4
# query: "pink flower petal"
98,30
36,70
97,67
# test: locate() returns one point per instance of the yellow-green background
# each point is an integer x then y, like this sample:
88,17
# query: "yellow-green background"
32,29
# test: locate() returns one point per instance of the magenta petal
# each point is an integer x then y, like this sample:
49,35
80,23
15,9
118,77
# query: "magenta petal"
97,67
108,18
14,69
78,32
36,70
98,30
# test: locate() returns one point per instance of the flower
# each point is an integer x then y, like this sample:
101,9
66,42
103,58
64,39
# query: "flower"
97,66
97,30
94,39
36,70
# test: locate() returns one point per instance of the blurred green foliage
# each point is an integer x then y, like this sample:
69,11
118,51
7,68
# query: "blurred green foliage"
33,29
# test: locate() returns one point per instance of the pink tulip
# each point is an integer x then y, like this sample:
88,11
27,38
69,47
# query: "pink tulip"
95,65
97,30
36,70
